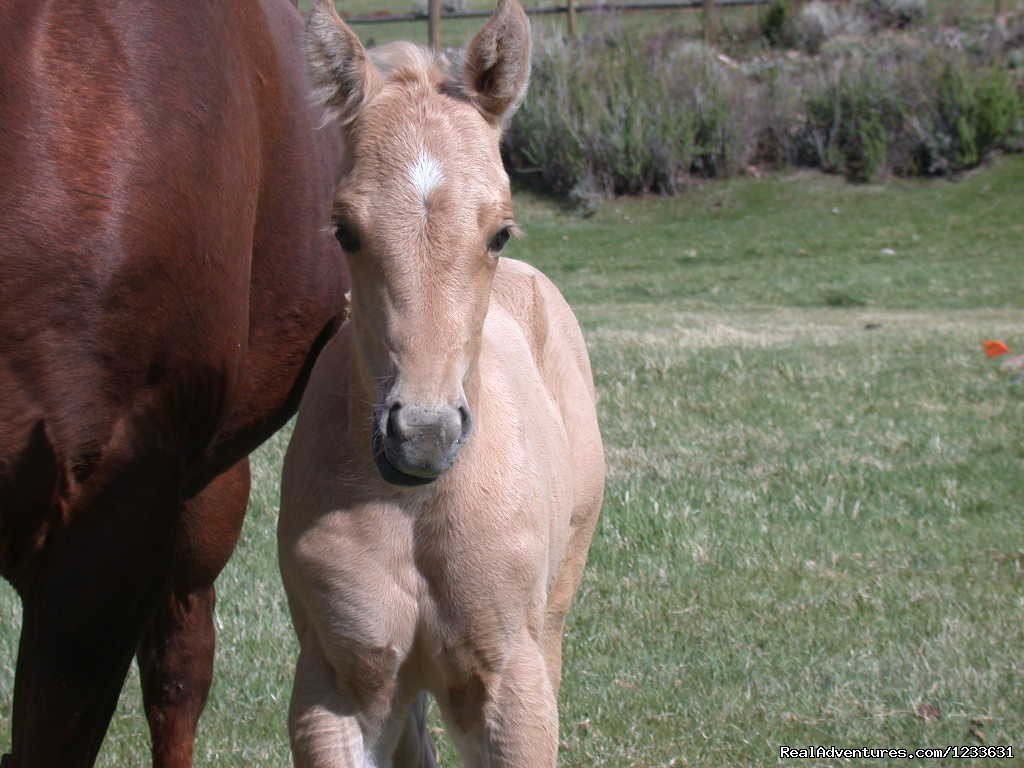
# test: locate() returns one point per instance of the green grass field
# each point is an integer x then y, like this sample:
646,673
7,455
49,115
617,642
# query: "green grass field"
812,532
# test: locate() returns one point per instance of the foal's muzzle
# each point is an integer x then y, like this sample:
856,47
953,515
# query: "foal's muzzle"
415,444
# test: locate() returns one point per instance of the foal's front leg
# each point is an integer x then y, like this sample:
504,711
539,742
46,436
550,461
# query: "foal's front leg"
324,729
517,726
351,715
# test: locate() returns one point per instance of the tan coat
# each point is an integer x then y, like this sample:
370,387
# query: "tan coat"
459,587
465,379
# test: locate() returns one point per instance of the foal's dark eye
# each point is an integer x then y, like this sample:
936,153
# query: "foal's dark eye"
499,240
347,238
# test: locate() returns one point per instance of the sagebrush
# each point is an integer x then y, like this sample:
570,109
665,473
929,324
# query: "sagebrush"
617,113
607,114
914,110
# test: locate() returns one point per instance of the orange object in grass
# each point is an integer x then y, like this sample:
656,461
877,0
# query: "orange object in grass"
995,348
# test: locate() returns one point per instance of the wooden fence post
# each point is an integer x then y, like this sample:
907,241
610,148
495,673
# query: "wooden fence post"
572,19
710,23
434,23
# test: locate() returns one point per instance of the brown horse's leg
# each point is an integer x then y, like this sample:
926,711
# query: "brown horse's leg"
175,654
90,591
176,666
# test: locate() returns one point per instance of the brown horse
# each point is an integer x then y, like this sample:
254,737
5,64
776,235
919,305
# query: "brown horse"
446,470
165,286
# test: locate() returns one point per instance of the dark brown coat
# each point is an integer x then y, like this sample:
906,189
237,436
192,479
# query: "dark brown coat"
166,281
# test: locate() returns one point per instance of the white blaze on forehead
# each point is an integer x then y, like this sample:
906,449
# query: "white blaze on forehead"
425,175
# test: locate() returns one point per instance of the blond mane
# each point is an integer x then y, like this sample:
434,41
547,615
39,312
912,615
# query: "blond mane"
407,62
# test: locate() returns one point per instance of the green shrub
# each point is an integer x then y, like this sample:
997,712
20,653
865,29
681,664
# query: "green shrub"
818,22
910,109
958,115
613,113
852,119
999,110
775,25
776,115
897,14
976,111
607,115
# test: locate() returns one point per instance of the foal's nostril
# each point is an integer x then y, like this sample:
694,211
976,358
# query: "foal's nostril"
393,427
467,422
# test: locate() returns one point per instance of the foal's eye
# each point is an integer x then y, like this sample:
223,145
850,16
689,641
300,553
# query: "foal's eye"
499,240
346,237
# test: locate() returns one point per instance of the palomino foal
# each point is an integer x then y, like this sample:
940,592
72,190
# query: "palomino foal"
446,471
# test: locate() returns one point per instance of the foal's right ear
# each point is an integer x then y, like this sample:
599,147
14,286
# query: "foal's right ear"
497,66
343,77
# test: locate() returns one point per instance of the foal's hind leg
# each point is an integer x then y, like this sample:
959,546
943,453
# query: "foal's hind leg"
176,651
415,746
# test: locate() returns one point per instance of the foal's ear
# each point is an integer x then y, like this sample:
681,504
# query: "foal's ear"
343,77
497,66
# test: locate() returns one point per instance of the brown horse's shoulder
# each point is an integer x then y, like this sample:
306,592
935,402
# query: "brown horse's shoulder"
163,229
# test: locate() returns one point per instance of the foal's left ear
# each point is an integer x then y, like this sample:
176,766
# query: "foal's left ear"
497,66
